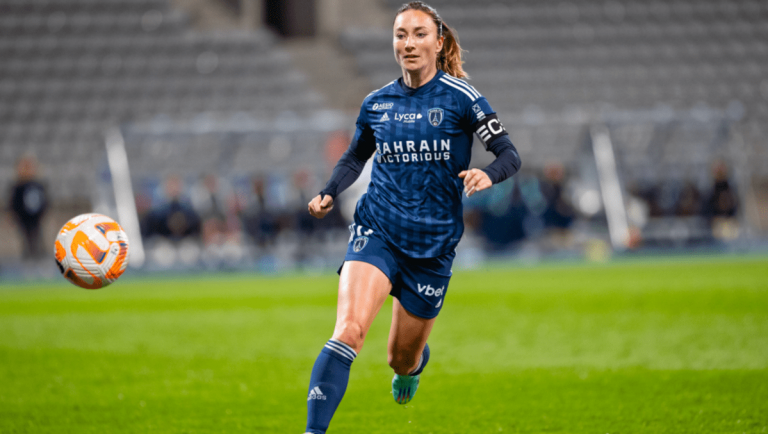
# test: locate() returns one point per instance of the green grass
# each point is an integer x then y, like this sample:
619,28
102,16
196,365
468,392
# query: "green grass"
665,346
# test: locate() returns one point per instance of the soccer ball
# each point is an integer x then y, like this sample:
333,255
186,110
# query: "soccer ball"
91,251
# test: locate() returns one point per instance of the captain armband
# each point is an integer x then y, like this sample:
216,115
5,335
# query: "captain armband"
490,129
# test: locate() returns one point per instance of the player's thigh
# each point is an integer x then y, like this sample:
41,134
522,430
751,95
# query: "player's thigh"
363,289
408,333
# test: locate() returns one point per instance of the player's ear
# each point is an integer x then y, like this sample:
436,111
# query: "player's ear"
440,41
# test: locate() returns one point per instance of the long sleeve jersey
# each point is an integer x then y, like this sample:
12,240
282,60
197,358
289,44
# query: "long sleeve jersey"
422,139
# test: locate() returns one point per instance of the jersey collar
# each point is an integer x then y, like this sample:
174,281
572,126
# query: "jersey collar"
409,91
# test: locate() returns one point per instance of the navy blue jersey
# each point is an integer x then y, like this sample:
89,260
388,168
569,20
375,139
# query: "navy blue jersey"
422,140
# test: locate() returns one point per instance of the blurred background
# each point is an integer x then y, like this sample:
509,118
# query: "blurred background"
205,126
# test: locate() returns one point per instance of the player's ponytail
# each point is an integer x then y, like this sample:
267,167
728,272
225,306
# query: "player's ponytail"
449,58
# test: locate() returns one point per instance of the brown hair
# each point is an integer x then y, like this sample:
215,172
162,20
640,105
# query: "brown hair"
449,58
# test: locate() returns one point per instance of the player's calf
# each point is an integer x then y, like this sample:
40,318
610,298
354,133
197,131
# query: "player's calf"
403,363
404,386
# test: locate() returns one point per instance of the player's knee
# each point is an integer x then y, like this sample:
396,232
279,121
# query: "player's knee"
352,334
401,362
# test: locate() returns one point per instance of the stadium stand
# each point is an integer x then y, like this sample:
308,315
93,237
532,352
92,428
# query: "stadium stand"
74,68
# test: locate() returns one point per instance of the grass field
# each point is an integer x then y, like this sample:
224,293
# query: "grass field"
654,346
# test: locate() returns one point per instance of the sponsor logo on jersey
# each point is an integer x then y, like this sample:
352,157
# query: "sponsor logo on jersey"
413,151
479,112
383,105
384,118
360,243
435,116
316,393
407,118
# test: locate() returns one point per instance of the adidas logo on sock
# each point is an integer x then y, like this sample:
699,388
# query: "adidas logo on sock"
316,393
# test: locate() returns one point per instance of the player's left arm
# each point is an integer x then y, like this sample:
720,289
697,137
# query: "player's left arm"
496,139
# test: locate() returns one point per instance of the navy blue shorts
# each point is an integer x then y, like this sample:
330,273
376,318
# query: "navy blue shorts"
419,284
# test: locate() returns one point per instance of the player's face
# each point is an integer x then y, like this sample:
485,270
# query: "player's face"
416,42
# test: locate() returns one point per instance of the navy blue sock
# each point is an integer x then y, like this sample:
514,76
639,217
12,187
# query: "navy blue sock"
422,361
327,385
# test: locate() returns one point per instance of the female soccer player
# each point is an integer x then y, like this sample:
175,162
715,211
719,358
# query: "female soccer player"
420,128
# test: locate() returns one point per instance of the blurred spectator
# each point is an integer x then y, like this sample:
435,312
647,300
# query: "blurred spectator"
28,204
209,198
722,205
174,219
559,213
259,221
722,201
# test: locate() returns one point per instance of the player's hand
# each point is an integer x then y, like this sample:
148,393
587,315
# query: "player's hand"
319,207
475,180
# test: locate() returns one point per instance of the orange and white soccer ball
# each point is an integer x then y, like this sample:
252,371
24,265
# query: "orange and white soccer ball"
91,251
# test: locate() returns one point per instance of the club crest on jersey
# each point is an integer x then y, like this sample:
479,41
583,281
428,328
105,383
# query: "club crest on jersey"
360,243
435,116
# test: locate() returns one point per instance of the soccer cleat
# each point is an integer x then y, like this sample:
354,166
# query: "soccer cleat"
404,387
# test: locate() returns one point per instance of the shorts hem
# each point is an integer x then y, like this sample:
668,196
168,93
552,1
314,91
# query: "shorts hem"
373,260
419,314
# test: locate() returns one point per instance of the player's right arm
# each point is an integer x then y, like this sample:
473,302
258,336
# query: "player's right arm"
348,168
